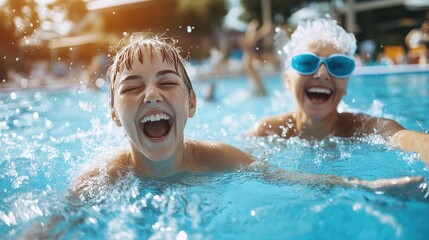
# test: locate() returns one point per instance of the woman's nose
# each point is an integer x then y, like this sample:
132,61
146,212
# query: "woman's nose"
152,94
322,73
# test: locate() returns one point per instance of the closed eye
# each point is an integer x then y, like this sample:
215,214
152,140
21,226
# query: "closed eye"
130,90
169,83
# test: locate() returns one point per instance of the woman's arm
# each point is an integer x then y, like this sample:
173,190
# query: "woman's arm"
410,187
395,135
412,141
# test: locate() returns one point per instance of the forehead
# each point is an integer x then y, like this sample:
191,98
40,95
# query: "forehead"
147,57
146,63
321,48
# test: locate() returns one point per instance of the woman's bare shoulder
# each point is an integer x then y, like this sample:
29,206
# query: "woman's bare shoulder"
274,125
216,156
363,124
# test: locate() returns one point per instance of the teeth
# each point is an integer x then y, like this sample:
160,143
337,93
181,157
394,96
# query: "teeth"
155,117
319,90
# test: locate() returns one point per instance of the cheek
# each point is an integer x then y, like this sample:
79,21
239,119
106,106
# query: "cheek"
297,83
341,84
125,105
181,102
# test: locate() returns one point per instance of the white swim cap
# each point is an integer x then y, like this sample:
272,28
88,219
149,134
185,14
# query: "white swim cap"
321,30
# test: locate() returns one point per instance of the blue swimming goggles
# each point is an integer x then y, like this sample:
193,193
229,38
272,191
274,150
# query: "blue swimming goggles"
338,65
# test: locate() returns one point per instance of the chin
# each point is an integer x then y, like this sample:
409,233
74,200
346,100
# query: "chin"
318,113
159,155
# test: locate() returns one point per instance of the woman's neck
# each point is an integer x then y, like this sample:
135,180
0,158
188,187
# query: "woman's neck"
316,128
144,167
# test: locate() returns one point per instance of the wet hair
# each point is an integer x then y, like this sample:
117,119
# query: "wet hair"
157,48
323,31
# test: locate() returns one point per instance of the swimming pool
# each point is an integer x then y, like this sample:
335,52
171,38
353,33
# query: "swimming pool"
49,136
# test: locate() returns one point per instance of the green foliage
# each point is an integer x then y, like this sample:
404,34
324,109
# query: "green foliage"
280,9
18,18
204,15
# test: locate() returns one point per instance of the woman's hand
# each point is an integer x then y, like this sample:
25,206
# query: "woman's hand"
408,187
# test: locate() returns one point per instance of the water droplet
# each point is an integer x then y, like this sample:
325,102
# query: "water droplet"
99,82
48,123
189,29
253,213
38,96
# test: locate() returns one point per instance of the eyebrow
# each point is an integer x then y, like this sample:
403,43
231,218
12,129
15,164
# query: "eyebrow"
132,77
158,74
164,72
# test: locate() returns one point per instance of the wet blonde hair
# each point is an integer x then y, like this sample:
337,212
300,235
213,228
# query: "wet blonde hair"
157,48
323,31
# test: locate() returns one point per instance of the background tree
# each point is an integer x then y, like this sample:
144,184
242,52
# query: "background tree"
200,22
204,15
21,18
18,18
280,9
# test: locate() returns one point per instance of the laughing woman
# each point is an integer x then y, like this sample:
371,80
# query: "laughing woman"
318,66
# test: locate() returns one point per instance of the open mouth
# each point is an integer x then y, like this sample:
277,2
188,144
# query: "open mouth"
157,125
318,95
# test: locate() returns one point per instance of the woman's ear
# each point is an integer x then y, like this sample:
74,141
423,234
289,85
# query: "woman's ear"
192,104
115,118
286,80
347,86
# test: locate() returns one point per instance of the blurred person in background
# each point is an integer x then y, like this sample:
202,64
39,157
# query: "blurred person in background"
417,41
252,36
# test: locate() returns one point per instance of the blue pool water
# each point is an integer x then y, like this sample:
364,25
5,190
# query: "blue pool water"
48,137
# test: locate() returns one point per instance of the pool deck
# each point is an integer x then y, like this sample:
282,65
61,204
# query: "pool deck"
202,74
392,69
